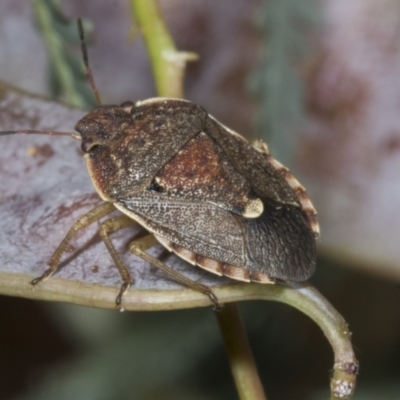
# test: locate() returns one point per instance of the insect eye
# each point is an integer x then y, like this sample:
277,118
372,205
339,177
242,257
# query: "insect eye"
127,106
88,145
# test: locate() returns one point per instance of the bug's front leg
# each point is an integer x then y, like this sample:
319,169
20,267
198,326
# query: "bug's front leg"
138,248
93,215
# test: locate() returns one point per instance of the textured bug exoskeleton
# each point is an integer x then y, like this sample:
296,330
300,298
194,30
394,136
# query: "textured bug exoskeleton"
205,192
199,188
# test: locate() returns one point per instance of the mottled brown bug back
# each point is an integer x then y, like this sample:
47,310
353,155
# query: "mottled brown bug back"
202,188
254,165
202,170
123,158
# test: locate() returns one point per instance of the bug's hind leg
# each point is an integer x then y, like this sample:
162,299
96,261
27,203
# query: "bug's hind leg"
93,215
138,248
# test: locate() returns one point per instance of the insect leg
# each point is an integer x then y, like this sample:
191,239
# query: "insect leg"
93,215
106,228
136,247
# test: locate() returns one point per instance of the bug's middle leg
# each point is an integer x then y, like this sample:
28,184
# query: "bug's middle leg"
106,228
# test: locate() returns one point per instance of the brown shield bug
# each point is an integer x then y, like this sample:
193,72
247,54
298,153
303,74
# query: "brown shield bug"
198,188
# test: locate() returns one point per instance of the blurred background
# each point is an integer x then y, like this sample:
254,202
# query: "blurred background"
317,79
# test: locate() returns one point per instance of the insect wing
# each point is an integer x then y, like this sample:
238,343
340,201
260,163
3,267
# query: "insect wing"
200,227
273,246
280,244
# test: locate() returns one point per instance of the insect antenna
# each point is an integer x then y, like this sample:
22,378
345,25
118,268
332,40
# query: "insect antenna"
86,61
33,131
92,84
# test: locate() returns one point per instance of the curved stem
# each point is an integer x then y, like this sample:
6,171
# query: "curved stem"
302,296
308,300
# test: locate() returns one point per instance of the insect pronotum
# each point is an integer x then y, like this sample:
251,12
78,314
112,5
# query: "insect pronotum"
199,188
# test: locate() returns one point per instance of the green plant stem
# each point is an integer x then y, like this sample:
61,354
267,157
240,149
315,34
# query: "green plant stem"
243,367
302,296
311,302
167,63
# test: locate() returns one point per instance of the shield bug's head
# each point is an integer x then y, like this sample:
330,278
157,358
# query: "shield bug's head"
103,125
